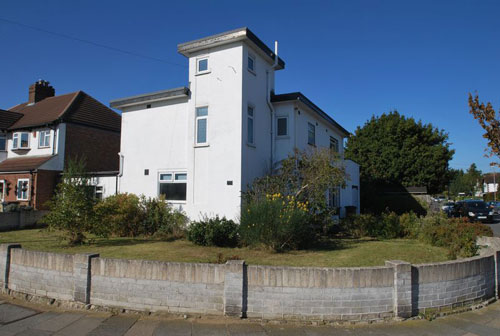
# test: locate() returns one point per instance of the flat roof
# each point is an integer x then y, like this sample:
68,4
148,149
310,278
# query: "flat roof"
284,97
239,34
150,97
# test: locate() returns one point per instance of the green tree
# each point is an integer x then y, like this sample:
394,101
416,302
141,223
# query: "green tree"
395,150
71,208
465,182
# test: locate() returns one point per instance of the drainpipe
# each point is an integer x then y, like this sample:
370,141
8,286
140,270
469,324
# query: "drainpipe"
120,172
31,188
268,99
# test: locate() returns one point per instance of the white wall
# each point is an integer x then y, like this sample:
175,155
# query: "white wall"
211,167
490,187
154,139
108,184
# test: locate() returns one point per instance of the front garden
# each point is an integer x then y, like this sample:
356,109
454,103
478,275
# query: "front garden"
285,220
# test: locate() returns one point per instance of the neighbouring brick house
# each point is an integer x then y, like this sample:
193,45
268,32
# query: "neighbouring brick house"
38,137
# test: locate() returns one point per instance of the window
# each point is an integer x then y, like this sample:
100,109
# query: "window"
98,192
201,125
334,144
44,139
333,197
311,134
2,190
3,142
251,63
202,65
20,140
282,126
250,132
173,186
22,189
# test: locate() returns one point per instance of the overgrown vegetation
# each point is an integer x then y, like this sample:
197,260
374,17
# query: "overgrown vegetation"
75,212
458,236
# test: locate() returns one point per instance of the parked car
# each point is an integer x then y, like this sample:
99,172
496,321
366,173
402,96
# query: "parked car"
475,210
495,207
448,207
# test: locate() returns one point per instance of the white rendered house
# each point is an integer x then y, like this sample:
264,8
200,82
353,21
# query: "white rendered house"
202,145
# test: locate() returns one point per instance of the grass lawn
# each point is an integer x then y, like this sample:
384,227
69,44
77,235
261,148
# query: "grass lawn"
336,253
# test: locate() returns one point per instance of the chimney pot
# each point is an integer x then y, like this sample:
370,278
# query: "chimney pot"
40,90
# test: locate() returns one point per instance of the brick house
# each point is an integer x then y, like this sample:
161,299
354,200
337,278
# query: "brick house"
38,137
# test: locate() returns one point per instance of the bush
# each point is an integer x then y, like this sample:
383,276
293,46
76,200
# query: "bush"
215,231
385,226
410,225
119,215
277,222
161,218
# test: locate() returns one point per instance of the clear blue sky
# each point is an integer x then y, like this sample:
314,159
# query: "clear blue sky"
354,59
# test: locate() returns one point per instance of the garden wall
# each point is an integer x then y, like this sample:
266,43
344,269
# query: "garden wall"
235,289
20,219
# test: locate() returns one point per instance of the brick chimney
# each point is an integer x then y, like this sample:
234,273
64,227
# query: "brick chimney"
40,90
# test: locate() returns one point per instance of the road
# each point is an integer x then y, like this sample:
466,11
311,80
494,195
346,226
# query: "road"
39,321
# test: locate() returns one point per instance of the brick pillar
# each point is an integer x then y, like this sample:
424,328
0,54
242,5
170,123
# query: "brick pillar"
235,288
497,274
402,288
82,275
5,264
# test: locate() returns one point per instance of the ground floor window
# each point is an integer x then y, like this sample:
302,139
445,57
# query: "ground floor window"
2,190
333,197
173,185
22,189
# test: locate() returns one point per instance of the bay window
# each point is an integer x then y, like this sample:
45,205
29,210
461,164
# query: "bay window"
21,140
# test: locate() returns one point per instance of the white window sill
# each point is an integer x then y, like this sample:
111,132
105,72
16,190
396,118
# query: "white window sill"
203,73
43,147
251,145
201,145
21,149
280,137
252,72
176,202
24,200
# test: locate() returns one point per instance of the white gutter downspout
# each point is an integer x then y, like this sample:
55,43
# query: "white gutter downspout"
120,172
268,96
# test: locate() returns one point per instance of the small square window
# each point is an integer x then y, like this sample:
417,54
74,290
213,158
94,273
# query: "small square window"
146,171
282,126
202,65
165,177
181,177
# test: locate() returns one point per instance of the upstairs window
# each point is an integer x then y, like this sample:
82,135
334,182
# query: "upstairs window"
43,139
3,142
282,126
334,144
250,131
251,63
202,65
22,189
173,186
311,134
21,140
201,125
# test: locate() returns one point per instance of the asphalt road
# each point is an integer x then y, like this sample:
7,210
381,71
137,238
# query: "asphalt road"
37,321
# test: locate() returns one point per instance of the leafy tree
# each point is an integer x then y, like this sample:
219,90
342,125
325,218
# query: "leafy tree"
71,208
395,150
466,182
305,175
487,118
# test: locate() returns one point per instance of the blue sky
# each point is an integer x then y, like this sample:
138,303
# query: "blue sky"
354,59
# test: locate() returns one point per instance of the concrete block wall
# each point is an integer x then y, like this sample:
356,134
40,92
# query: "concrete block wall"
397,289
320,293
158,286
453,283
41,273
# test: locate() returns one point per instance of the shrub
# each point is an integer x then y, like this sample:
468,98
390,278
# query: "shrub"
118,215
410,225
277,222
385,226
161,218
359,225
390,227
215,231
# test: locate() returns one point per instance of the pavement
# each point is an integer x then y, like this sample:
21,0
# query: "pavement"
38,320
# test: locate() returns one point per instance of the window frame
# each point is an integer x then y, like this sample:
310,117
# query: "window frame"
19,136
198,60
198,118
309,142
3,187
27,189
286,126
335,141
251,56
46,134
173,179
251,117
4,137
